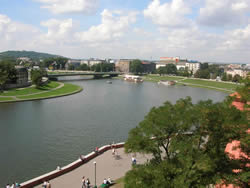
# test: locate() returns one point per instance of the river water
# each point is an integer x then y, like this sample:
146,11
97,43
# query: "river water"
38,136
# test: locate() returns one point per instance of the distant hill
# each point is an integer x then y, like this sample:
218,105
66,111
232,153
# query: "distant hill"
30,54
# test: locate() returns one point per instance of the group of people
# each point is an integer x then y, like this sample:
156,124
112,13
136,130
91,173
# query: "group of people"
46,184
13,185
85,182
107,181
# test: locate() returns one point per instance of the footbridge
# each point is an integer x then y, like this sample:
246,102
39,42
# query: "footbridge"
96,75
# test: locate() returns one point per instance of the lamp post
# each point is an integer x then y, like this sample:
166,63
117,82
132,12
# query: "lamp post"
95,172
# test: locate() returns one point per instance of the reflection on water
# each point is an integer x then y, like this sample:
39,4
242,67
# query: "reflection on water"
38,136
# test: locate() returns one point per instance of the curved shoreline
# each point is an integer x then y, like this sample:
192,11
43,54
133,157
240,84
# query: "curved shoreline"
70,167
41,98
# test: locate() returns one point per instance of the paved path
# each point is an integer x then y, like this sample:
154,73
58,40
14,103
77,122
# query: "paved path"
106,166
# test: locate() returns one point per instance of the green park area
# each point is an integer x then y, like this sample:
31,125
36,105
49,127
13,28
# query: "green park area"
215,85
53,89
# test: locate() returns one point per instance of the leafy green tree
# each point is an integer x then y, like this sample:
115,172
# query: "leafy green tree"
202,73
171,69
229,77
83,67
71,67
236,78
204,66
8,73
56,62
36,77
183,72
136,66
162,70
3,78
187,143
224,77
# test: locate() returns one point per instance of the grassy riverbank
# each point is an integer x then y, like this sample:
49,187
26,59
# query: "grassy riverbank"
53,89
220,86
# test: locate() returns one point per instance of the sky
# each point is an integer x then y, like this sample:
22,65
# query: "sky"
203,30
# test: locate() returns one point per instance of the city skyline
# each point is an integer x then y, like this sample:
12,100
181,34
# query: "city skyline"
205,30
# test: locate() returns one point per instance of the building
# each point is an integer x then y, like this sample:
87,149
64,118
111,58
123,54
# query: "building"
123,65
75,62
22,80
242,72
148,67
181,64
169,60
193,66
95,62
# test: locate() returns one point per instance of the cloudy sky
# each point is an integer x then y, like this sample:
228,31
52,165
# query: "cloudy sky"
205,30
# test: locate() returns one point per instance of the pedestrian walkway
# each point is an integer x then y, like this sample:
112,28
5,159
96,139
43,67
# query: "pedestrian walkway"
107,165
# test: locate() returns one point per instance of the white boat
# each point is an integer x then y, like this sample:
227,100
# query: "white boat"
133,78
167,82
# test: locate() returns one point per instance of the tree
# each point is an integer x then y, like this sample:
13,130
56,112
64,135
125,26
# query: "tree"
236,78
224,77
56,62
3,78
36,77
136,66
188,144
171,69
71,67
229,77
83,67
161,70
202,73
8,73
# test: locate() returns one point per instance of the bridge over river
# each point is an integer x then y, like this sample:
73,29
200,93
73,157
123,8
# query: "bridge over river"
97,75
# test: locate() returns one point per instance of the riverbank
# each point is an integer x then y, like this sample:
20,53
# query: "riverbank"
95,166
52,90
226,87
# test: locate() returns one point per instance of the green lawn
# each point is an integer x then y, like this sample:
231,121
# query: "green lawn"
32,92
157,78
221,85
66,89
119,183
6,99
29,90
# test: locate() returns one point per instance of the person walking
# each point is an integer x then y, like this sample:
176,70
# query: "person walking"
48,185
83,182
87,183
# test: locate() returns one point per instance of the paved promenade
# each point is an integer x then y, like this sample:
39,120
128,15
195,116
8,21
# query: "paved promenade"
106,166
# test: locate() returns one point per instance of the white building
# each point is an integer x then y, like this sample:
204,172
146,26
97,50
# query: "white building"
193,66
242,72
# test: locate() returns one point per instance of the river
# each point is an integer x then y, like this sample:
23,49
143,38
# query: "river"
38,136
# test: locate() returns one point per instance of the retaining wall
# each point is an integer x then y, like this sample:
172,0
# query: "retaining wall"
58,172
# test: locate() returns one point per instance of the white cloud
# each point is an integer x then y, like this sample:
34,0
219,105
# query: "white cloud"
114,25
237,40
58,28
224,12
14,34
70,6
168,14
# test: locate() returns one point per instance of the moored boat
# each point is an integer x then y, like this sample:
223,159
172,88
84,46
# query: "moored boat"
167,82
133,78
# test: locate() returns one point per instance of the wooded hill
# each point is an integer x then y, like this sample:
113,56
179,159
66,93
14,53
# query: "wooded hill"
30,54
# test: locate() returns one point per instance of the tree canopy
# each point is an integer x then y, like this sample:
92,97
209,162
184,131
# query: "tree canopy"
187,142
36,77
136,66
7,73
168,69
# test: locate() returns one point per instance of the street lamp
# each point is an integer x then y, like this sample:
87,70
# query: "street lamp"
95,171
